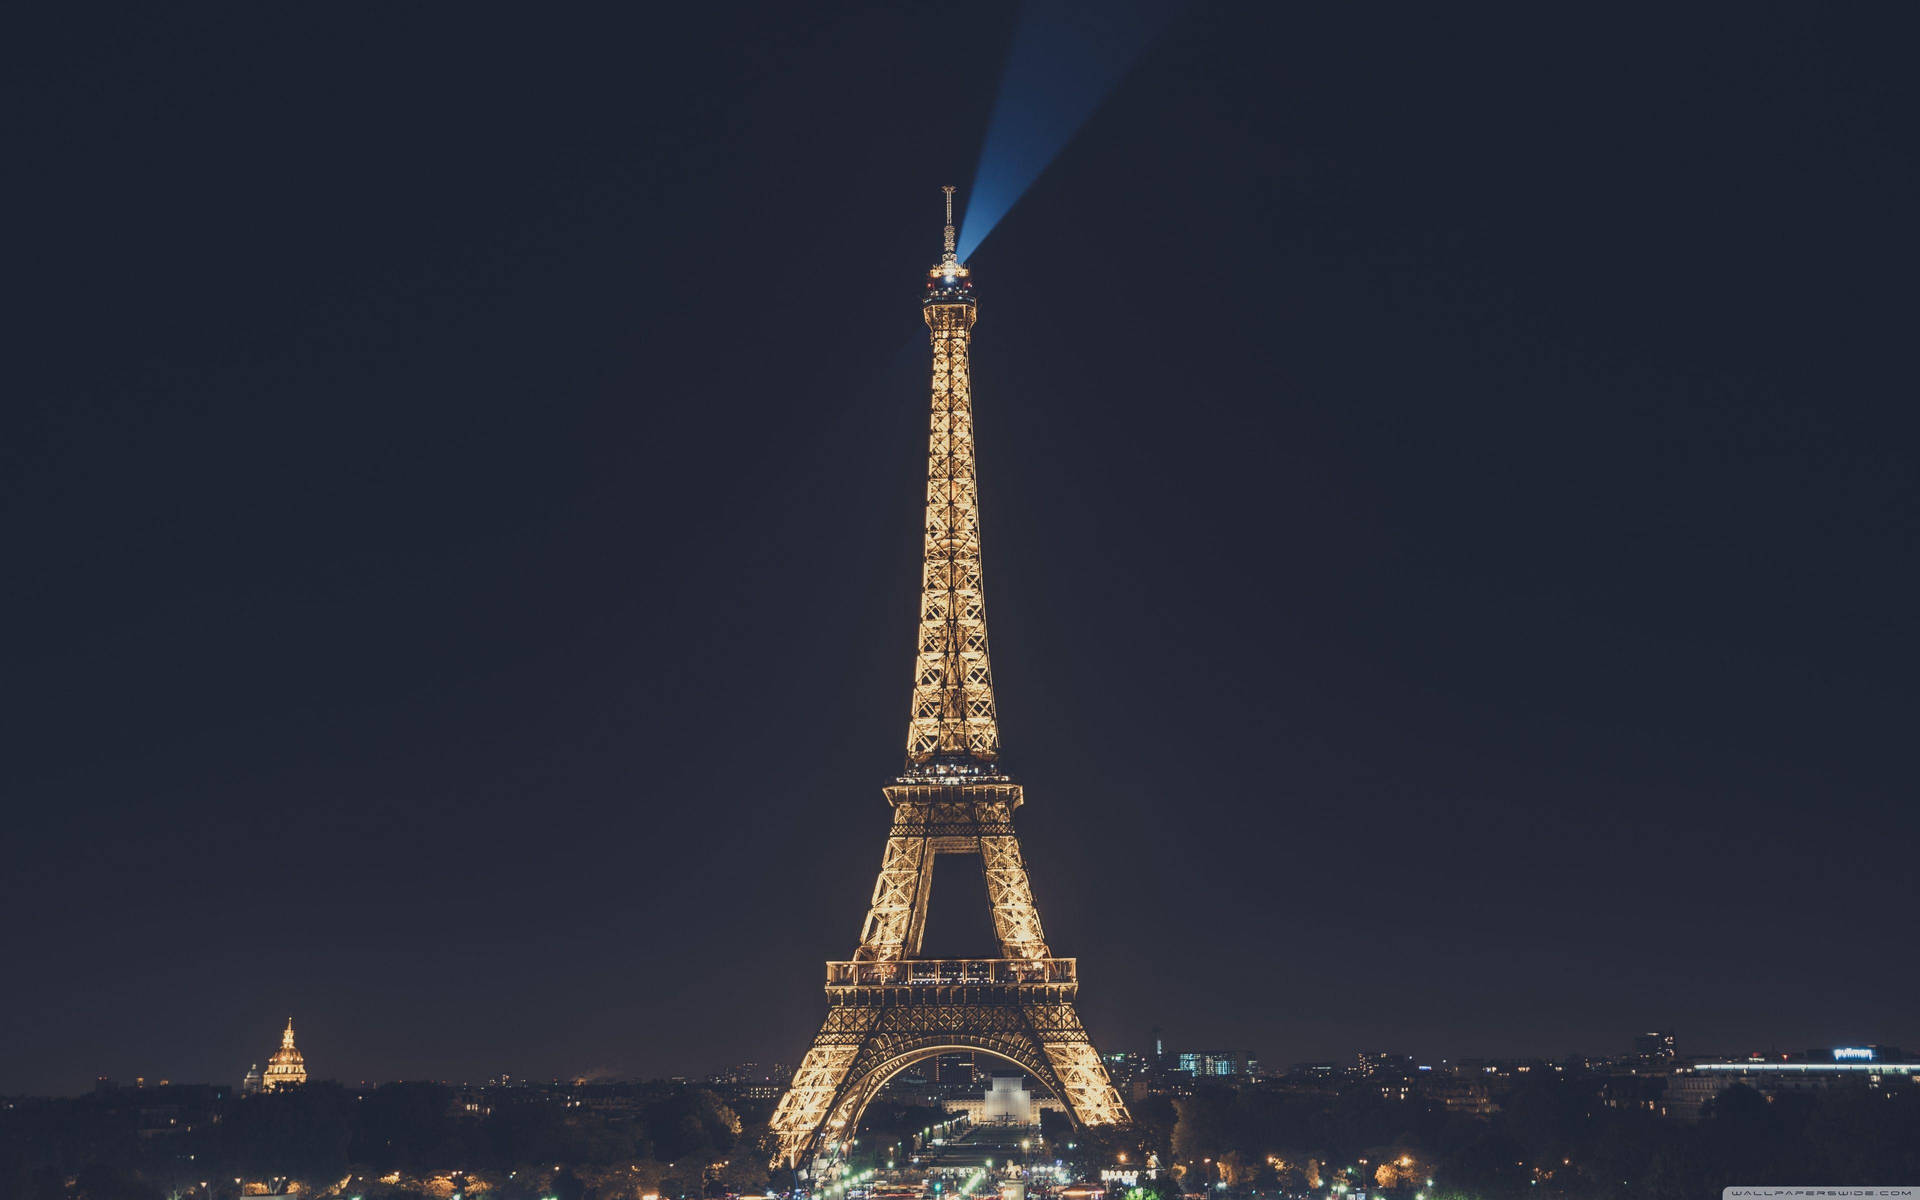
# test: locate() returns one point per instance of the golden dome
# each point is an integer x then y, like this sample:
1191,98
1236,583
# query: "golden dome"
287,1066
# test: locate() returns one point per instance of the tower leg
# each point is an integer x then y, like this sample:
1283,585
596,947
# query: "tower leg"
898,913
1084,1086
1015,918
801,1118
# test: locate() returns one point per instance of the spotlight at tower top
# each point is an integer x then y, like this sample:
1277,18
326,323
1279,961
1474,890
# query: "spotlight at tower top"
949,281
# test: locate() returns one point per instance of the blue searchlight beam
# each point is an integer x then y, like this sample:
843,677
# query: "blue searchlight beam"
1065,60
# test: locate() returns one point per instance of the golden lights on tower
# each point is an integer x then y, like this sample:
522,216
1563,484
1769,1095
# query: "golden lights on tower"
953,727
887,1007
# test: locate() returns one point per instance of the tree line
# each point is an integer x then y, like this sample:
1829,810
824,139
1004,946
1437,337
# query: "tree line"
1551,1139
676,1141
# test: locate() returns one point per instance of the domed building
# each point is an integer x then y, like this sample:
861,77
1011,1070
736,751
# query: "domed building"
287,1067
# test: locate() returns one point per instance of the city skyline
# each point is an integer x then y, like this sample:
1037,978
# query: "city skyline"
1181,1057
1450,526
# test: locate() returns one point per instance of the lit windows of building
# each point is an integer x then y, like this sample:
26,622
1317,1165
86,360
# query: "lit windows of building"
1656,1046
1382,1064
1217,1064
1692,1089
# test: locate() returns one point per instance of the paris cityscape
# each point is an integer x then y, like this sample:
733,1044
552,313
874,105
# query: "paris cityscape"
507,509
1221,1122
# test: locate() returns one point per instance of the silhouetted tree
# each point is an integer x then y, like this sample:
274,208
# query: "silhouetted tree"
405,1125
302,1131
108,1183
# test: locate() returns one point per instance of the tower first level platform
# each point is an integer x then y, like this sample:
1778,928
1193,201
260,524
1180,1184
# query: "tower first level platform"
888,1008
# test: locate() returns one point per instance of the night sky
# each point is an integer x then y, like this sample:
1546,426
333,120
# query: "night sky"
1450,502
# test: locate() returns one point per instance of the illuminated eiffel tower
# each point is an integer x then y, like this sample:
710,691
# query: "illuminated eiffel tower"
887,1007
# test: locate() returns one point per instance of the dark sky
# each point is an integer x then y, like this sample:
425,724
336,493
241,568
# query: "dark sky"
1450,513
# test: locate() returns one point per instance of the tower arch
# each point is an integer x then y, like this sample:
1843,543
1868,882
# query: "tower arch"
862,1090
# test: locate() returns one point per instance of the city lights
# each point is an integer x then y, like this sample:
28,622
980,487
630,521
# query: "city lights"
1454,601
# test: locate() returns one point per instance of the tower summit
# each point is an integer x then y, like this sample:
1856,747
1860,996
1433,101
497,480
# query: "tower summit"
888,1007
953,730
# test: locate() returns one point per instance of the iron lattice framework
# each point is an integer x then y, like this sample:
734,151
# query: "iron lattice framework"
888,1007
953,717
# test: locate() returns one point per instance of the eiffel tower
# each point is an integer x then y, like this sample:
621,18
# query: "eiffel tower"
887,1007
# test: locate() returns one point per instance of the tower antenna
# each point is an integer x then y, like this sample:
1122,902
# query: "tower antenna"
948,256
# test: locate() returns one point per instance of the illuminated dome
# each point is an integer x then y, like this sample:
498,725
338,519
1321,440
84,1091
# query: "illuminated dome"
288,1066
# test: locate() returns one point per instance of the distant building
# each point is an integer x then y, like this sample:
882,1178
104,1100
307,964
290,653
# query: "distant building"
955,1071
252,1083
1692,1089
1643,1091
746,1081
1655,1047
1130,1073
1007,1102
287,1067
163,1120
1383,1065
1217,1064
1469,1096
